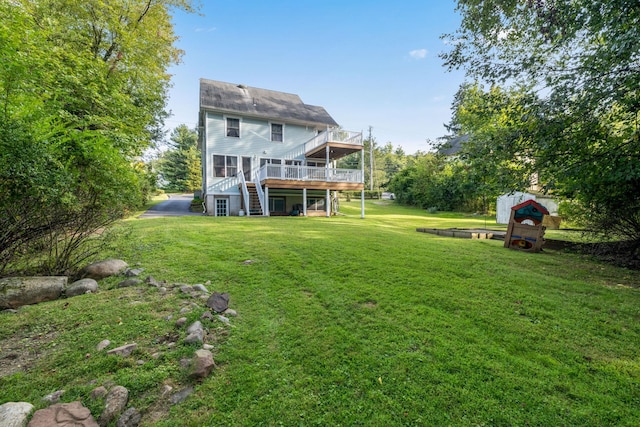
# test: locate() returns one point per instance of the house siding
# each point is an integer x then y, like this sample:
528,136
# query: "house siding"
254,141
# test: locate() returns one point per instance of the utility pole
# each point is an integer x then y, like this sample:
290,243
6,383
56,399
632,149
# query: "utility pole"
370,160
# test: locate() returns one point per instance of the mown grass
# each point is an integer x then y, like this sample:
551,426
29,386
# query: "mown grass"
349,321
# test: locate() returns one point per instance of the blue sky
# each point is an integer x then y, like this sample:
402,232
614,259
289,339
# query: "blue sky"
368,63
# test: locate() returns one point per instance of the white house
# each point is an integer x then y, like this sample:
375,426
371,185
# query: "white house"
267,153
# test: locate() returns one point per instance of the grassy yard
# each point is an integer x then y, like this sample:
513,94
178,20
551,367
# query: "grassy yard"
345,321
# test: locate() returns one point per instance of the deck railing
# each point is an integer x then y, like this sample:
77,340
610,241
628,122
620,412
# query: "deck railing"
309,173
333,135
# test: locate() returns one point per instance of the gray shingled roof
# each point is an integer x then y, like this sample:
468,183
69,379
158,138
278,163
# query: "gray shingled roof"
250,101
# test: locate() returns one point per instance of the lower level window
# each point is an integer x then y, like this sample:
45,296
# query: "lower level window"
222,206
315,204
276,204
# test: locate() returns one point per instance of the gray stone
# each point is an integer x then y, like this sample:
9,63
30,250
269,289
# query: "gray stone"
130,418
81,287
133,272
129,282
195,327
180,396
152,282
63,415
103,344
115,403
202,364
186,289
15,414
101,269
18,291
207,315
181,322
200,288
195,337
53,397
124,350
218,302
223,319
231,312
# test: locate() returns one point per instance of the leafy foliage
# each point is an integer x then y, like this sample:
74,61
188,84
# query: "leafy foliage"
82,93
574,113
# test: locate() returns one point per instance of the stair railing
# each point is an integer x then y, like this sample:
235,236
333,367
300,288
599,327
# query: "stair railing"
260,191
245,193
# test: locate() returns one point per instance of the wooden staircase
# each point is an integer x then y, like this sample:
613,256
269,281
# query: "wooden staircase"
254,202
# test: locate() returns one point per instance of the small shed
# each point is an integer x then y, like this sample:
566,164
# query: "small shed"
525,231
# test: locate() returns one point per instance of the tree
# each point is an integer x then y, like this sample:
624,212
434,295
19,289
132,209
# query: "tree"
180,166
577,66
82,93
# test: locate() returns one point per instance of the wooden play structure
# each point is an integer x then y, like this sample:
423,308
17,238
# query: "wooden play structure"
525,231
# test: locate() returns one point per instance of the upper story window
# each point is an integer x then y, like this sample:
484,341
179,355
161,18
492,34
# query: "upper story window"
233,127
276,132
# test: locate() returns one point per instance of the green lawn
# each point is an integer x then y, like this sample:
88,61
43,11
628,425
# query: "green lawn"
350,321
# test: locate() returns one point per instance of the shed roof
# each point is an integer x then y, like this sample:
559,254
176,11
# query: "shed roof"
255,102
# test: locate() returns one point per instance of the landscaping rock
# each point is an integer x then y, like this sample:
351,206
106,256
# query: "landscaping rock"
180,396
63,415
124,350
129,282
195,333
181,322
152,282
130,418
18,291
202,364
218,302
223,319
115,403
133,272
101,269
231,312
81,287
53,397
103,344
200,288
15,414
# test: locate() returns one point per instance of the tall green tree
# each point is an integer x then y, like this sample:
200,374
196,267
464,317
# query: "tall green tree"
83,87
180,166
580,63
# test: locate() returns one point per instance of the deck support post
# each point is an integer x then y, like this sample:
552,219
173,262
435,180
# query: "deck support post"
362,191
304,201
266,201
328,203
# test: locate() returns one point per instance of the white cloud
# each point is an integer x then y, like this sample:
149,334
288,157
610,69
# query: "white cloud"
418,53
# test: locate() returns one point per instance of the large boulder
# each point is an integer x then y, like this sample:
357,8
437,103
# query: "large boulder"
15,414
115,402
101,269
81,287
18,291
63,414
